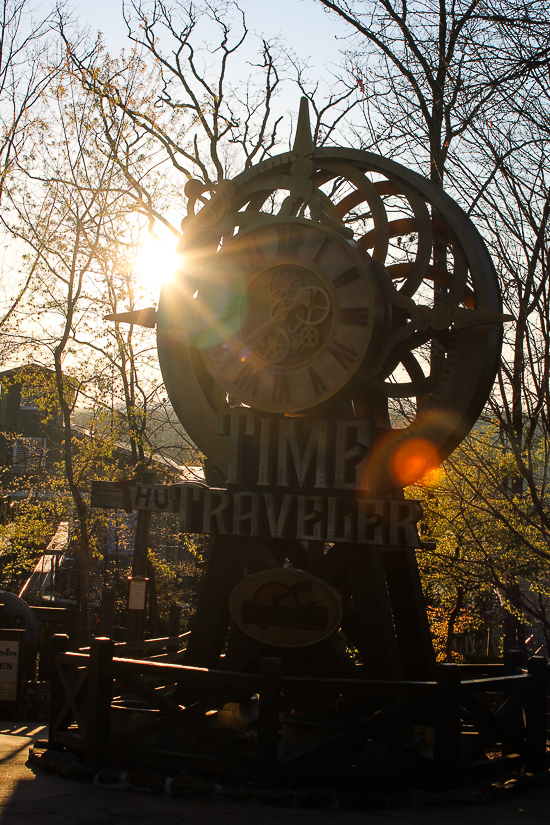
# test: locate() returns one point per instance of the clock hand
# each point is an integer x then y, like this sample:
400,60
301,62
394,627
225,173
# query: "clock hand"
304,297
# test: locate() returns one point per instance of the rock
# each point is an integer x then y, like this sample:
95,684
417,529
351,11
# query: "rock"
109,776
504,776
183,785
275,796
362,799
234,790
150,780
83,772
51,761
529,780
66,770
403,799
498,791
427,797
35,756
466,796
315,797
534,780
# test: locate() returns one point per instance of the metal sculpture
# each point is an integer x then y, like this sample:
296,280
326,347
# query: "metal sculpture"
309,286
333,333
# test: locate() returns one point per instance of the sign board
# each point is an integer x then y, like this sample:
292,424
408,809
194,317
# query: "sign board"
285,608
11,664
318,516
288,478
136,600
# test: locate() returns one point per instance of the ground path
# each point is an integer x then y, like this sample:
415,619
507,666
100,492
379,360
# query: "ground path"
29,796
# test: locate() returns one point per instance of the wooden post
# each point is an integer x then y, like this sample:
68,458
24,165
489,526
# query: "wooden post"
136,621
57,690
174,623
514,661
447,724
211,620
409,614
98,699
268,720
535,715
107,613
45,663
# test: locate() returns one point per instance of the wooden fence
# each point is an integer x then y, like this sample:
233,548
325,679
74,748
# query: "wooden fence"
503,716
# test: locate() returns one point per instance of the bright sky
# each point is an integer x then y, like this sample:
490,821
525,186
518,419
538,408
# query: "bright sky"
302,23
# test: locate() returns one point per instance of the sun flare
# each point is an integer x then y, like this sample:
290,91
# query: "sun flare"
156,262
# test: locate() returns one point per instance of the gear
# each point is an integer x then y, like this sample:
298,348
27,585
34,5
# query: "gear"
273,346
284,284
309,336
296,344
318,308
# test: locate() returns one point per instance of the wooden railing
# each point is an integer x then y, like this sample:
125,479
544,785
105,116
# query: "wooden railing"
166,649
468,716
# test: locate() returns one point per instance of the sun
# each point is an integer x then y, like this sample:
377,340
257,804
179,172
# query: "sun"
156,262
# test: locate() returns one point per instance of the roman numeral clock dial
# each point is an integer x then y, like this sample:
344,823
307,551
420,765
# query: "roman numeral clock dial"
295,325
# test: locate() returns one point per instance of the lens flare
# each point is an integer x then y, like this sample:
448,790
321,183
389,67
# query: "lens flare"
156,262
413,460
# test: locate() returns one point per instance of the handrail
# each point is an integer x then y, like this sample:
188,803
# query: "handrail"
159,666
149,644
152,644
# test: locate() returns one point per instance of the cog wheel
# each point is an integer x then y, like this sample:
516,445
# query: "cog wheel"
273,346
284,284
296,344
309,336
318,308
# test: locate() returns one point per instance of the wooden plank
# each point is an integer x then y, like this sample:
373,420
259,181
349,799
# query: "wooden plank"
125,495
495,726
211,620
147,645
173,673
107,612
535,715
268,720
98,699
243,652
447,726
497,683
57,688
376,636
68,740
255,556
331,564
408,607
169,708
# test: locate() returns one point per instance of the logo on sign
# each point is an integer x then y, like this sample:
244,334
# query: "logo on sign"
286,608
275,603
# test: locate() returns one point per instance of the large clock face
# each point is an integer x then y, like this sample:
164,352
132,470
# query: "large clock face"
291,315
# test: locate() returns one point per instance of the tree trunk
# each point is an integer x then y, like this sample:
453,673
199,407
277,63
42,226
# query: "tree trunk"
452,622
153,601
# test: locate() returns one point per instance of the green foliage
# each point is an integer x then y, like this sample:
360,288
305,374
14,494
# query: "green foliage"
491,547
23,540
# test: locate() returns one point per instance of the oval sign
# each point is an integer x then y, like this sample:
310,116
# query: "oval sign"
285,608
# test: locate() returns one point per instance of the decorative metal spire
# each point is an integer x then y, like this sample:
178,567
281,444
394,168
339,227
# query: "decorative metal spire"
303,142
